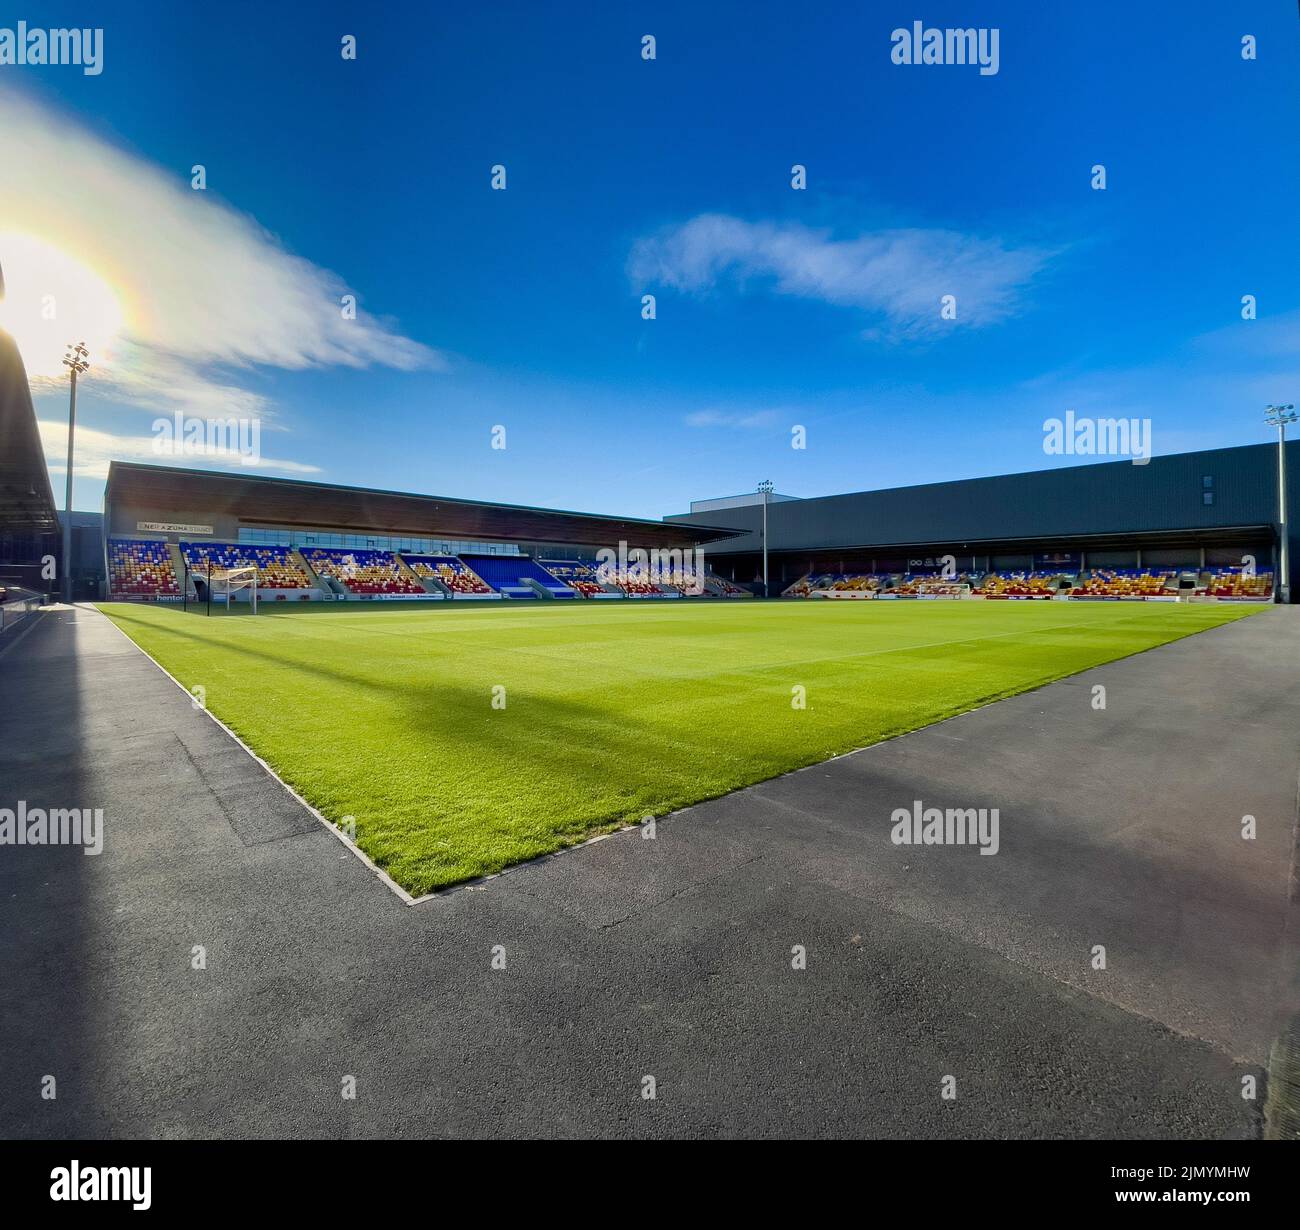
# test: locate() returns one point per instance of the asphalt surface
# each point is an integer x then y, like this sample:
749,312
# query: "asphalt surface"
668,958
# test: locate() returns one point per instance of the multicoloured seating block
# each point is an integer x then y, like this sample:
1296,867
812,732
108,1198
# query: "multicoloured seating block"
1125,583
141,568
452,572
818,583
1020,584
362,571
576,574
1236,583
276,568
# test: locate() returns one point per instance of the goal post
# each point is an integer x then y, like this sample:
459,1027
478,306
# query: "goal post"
227,582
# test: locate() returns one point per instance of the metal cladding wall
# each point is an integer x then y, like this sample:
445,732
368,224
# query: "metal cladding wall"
1166,494
136,496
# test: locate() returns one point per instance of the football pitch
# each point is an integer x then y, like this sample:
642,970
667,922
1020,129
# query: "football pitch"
462,739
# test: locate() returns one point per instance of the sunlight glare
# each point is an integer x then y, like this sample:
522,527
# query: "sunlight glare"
51,300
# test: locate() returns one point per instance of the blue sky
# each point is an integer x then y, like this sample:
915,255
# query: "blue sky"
775,307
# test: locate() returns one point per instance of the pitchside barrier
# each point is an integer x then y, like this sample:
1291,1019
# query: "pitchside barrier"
17,606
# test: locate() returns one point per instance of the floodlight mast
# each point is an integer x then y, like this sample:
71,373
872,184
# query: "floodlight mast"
1279,417
766,487
76,361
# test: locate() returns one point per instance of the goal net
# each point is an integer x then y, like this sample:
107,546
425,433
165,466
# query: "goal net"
229,583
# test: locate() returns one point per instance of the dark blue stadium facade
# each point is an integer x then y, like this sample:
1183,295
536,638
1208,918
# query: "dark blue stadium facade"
1187,510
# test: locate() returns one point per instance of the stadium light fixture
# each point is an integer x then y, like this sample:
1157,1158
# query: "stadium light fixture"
77,361
766,487
1279,417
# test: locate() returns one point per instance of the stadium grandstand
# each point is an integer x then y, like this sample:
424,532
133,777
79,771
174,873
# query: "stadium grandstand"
1200,525
170,531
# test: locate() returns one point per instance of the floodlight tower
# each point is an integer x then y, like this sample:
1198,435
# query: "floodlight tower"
1279,417
76,361
766,487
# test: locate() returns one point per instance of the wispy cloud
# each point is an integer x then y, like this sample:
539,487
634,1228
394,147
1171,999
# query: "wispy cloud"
205,293
754,420
1208,392
900,276
95,449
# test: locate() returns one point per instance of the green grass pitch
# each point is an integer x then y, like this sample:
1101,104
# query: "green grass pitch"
613,711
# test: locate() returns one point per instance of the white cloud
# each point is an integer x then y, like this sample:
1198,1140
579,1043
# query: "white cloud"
1268,339
725,418
899,275
199,291
95,449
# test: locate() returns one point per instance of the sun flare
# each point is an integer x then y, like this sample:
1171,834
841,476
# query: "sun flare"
52,299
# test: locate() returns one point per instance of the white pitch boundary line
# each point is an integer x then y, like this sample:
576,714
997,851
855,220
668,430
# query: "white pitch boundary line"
406,897
479,881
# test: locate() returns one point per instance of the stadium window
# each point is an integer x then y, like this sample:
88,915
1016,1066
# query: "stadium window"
1207,498
1207,481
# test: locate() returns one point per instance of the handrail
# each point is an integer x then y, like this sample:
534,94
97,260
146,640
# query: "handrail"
14,609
